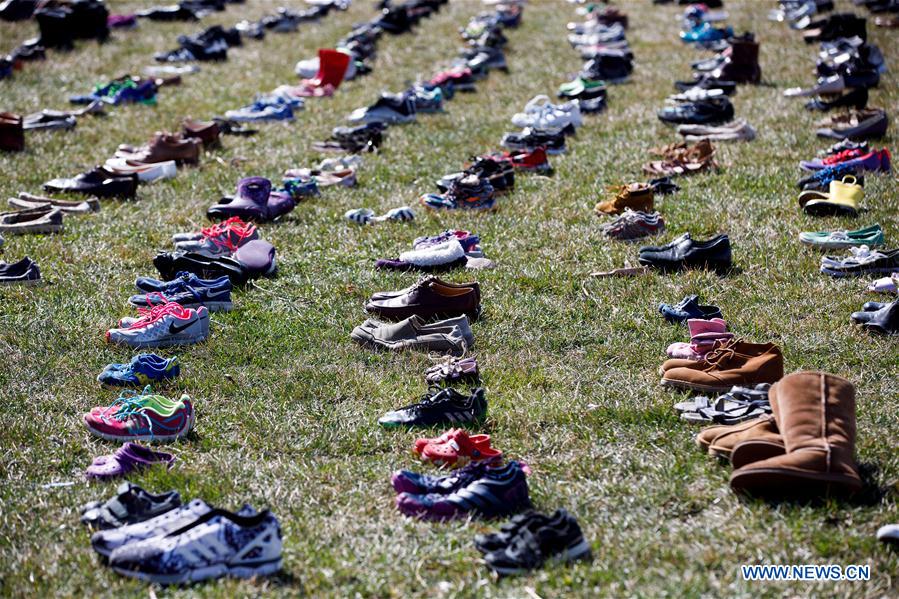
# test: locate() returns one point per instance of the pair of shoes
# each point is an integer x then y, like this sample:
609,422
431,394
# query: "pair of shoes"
41,219
470,192
128,458
254,201
888,284
842,198
552,141
439,406
194,542
163,325
478,489
635,196
451,336
732,363
688,308
861,261
130,505
429,298
366,216
27,201
451,370
681,159
46,120
685,252
363,138
856,98
738,130
540,113
266,108
456,448
499,173
831,240
141,370
210,45
142,416
634,225
531,539
704,337
23,272
879,318
388,110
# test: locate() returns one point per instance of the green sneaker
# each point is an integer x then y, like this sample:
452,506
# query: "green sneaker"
582,88
833,240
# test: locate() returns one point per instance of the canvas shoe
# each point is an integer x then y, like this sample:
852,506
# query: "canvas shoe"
130,505
219,543
162,326
179,282
830,240
862,261
541,114
469,193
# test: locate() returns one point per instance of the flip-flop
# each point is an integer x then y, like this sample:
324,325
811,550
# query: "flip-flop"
127,458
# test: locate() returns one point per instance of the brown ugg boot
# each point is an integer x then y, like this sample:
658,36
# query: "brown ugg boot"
815,413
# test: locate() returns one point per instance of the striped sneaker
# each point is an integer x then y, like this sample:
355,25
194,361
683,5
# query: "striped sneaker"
439,406
499,492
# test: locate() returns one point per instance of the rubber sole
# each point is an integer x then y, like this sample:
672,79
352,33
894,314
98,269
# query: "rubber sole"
247,570
185,430
165,342
841,274
34,230
782,482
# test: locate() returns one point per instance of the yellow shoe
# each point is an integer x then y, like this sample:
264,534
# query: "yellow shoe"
843,198
636,196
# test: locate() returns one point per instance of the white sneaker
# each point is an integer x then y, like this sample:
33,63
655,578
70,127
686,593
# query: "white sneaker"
162,326
146,172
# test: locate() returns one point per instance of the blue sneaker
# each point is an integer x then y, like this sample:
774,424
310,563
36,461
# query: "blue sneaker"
216,299
265,109
706,33
142,370
300,187
180,283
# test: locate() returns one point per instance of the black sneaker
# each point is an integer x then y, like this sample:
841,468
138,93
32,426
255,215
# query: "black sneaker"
701,112
707,82
170,264
497,541
560,539
439,406
132,504
500,175
553,141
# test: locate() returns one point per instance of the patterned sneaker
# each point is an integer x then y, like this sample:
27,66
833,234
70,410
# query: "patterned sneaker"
216,299
469,193
216,544
142,417
222,239
162,326
143,369
439,406
558,539
107,541
499,492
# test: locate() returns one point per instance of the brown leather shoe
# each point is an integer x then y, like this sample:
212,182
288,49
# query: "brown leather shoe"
636,196
162,148
815,413
207,132
720,440
738,363
12,135
429,299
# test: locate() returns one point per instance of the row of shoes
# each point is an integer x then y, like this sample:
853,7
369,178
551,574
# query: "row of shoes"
157,538
602,43
185,10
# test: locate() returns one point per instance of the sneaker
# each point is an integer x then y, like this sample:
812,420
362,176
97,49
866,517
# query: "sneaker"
861,262
162,326
496,541
469,193
499,492
439,406
217,544
180,282
389,109
830,240
142,417
221,239
558,538
142,370
551,140
526,160
215,299
499,173
130,505
406,481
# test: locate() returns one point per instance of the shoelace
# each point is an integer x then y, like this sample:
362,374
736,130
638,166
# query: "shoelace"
842,157
150,315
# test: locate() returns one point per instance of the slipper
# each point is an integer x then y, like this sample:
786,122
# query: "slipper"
127,458
360,216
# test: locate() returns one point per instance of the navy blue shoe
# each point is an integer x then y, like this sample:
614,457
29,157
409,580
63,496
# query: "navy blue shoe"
143,369
406,481
180,283
688,308
216,299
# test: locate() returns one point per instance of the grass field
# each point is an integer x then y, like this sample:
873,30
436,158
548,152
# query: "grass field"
287,404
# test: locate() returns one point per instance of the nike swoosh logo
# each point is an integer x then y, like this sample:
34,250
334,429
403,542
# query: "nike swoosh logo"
174,329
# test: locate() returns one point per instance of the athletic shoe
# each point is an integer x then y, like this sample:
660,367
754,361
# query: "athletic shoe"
467,193
221,239
551,140
107,541
539,113
439,406
141,370
495,541
500,492
861,262
180,282
406,481
142,417
216,544
162,326
560,539
131,504
215,299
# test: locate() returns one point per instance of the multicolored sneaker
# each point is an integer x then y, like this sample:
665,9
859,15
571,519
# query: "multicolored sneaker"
162,326
216,544
439,406
181,282
527,160
468,193
221,239
499,492
142,417
216,299
141,370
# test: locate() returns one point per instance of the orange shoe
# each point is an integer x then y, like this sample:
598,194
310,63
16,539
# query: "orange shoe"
460,449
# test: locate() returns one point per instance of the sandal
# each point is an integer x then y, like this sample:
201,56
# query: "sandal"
127,458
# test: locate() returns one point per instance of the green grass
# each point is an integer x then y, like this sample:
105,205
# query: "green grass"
287,404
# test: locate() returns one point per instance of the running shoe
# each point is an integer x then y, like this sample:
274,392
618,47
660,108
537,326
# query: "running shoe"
407,481
559,539
221,239
142,417
215,299
526,160
131,504
162,326
439,406
141,370
495,541
180,282
551,140
499,492
467,193
218,543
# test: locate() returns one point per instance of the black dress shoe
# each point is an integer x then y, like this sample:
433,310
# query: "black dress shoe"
885,321
707,82
98,182
713,254
701,112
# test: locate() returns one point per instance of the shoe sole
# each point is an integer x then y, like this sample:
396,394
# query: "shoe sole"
857,273
693,386
164,342
197,574
581,551
36,230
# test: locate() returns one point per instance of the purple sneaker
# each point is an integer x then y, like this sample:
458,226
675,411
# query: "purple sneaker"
876,161
497,493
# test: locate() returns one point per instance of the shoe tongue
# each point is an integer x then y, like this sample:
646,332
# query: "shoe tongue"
255,189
